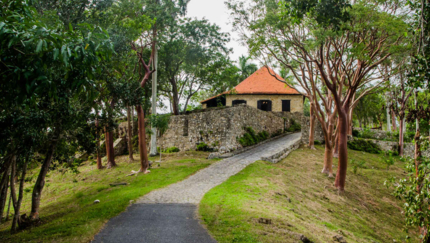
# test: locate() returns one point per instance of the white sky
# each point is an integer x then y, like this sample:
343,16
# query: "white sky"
217,13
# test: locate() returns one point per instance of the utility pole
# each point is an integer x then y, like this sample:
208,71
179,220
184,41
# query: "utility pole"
153,151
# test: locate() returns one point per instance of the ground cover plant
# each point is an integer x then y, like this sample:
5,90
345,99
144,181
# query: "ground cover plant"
290,200
68,208
251,137
364,145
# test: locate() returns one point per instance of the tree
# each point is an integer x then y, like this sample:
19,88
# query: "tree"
332,29
401,93
191,54
245,67
52,73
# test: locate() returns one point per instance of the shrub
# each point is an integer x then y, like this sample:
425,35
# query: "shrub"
203,147
366,133
364,145
390,160
251,138
171,150
294,126
317,142
357,164
355,133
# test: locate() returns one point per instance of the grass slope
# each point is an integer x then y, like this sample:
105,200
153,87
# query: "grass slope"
68,213
365,213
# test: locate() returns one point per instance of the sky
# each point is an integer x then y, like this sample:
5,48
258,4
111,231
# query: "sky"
217,13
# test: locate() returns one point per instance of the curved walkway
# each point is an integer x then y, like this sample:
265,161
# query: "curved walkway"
168,215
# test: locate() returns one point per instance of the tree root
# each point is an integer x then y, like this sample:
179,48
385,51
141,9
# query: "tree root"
139,171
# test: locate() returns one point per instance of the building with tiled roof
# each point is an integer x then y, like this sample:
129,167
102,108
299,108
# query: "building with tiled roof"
264,90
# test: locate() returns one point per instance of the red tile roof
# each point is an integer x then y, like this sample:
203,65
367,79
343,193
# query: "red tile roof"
261,82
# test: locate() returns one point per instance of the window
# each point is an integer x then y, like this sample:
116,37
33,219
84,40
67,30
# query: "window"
238,102
286,105
264,105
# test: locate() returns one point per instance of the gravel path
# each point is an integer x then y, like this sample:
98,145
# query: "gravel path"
192,189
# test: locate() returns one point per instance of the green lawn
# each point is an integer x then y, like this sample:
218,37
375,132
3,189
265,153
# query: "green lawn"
68,213
365,213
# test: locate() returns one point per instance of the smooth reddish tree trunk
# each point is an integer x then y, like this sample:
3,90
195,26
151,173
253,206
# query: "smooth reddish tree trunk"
311,144
343,151
40,182
144,163
336,147
328,160
129,135
110,153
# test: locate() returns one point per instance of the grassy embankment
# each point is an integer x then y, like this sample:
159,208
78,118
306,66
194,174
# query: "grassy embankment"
300,200
68,212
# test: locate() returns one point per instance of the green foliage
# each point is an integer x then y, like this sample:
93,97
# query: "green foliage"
171,150
367,133
355,133
204,147
389,161
364,145
413,190
317,142
294,126
161,122
251,138
356,164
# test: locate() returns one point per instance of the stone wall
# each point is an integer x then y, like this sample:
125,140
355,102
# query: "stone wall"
219,128
296,104
319,135
408,149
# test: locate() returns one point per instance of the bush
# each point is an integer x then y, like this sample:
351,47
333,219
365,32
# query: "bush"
204,147
294,126
355,133
364,145
317,142
251,138
389,161
171,150
357,164
366,133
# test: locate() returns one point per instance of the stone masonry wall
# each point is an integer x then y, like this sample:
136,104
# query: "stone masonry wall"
319,135
219,128
408,149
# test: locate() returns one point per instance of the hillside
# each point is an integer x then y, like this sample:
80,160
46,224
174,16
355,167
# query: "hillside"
300,201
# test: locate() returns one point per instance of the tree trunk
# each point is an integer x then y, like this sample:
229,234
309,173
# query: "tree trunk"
40,182
328,159
144,163
99,159
360,124
311,144
343,150
129,135
401,136
336,147
350,122
4,184
393,121
110,152
16,217
175,98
